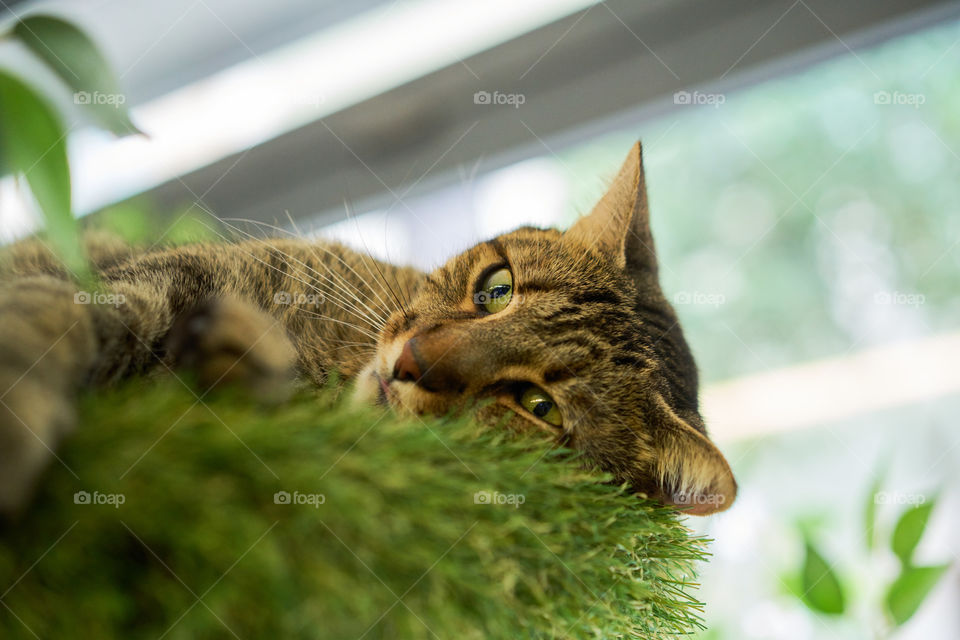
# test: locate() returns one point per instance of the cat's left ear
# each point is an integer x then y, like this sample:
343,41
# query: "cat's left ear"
619,225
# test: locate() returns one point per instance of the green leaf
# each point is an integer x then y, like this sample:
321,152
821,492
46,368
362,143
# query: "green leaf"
790,584
909,530
75,58
870,513
33,143
821,588
908,592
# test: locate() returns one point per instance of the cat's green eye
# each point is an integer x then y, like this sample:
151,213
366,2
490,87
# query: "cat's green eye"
495,292
536,401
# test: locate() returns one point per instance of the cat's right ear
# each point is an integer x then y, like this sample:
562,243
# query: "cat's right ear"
619,225
683,467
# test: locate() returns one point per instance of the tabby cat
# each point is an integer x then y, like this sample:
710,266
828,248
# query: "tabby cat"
567,332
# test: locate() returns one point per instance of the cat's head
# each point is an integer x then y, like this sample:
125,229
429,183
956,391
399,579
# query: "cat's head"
570,332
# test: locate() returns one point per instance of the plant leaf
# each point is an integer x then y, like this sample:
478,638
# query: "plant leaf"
33,143
78,62
908,591
870,513
909,530
821,588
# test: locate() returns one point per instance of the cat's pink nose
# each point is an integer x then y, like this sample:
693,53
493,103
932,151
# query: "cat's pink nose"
406,367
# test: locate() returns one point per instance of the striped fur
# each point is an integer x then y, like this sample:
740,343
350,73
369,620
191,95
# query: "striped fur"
587,323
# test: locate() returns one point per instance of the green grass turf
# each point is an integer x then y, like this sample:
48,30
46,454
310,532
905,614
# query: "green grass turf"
399,547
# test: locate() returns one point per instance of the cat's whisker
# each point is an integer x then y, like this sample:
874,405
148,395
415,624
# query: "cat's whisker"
351,325
383,280
351,291
340,283
340,302
362,348
382,303
384,284
352,270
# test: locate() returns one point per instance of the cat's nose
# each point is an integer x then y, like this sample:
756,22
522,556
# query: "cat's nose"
406,367
433,362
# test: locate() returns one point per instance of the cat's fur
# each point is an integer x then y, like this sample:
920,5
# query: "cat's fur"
588,323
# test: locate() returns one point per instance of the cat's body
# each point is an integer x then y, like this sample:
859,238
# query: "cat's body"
566,332
328,298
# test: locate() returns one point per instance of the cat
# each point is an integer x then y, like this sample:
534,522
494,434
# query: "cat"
565,332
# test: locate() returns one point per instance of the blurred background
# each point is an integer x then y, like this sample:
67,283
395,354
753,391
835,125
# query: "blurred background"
803,164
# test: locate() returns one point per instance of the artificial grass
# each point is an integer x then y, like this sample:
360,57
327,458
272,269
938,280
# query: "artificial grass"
399,547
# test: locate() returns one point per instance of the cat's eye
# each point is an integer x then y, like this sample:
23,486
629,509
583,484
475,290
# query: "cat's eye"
495,291
536,401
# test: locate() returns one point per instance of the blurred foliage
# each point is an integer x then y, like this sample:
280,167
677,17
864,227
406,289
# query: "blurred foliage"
139,223
909,530
821,587
33,145
825,215
910,589
33,135
88,74
818,584
870,514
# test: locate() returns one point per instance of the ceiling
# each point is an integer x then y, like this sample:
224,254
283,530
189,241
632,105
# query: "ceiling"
579,68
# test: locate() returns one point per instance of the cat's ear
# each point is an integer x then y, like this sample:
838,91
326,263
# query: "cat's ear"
688,470
619,225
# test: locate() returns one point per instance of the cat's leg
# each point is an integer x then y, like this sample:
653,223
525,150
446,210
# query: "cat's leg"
55,339
228,340
50,339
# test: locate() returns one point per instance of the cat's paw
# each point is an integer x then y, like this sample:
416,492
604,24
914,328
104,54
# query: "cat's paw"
33,420
227,341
